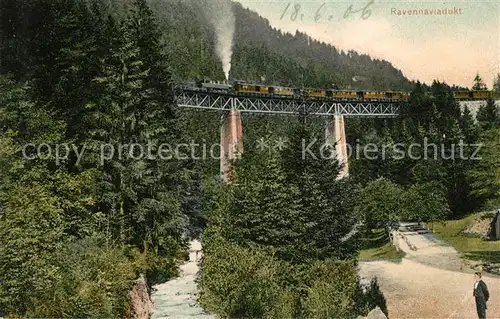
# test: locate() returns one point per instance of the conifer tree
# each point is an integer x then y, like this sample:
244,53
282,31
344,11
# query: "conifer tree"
323,200
264,209
478,83
135,113
468,127
488,115
496,86
486,175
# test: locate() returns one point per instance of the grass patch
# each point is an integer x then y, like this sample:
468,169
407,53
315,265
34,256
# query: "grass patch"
473,248
376,245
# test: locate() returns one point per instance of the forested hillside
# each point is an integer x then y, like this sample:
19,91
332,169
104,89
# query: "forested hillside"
261,51
95,80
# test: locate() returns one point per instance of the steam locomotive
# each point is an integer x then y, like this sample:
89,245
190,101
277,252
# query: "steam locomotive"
244,88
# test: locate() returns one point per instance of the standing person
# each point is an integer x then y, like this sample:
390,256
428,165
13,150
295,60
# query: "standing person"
482,295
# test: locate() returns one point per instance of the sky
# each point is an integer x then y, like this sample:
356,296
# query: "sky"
425,46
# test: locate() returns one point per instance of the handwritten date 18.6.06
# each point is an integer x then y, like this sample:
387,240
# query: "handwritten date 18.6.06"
297,15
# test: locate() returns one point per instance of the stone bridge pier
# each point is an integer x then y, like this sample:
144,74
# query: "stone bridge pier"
231,138
335,135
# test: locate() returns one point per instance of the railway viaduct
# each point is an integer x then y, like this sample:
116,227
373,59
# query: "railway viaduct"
232,106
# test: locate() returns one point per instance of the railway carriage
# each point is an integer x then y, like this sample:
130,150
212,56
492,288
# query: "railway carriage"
472,95
404,95
282,91
482,95
374,96
343,95
254,89
315,93
396,96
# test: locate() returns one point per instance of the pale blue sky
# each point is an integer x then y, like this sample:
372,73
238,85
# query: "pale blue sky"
451,47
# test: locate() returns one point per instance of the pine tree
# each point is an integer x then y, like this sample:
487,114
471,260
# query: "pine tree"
496,86
135,112
486,175
478,83
468,127
488,115
264,210
39,205
322,199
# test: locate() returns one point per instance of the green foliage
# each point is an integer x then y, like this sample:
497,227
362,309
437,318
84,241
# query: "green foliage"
66,227
383,201
380,201
486,176
478,84
30,232
290,203
370,296
264,209
238,282
496,86
435,128
275,244
81,278
425,202
332,292
94,280
488,115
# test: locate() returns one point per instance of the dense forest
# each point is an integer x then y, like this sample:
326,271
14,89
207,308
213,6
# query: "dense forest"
262,52
84,77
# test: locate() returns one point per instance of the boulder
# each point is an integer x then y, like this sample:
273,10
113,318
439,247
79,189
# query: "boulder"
376,313
140,304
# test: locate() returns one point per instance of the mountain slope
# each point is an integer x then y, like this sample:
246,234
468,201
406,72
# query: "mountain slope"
260,52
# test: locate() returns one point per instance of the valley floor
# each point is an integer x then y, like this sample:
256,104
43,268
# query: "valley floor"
431,282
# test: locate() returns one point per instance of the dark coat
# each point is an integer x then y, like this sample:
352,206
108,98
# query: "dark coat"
481,293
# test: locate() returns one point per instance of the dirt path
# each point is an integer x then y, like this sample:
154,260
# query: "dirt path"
177,297
431,251
431,282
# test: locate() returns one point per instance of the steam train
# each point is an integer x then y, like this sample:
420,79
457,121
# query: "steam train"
238,87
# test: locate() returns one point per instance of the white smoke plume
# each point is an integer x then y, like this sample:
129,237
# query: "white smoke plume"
221,16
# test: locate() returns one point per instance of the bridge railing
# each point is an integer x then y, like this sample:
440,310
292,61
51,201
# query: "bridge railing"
291,106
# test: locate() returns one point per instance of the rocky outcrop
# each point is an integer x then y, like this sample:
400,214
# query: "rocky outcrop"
140,306
487,226
478,228
494,232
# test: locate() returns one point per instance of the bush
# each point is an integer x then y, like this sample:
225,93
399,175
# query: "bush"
90,279
250,282
332,292
488,215
94,281
156,267
239,282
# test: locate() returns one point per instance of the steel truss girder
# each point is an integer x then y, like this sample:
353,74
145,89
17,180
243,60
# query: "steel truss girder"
285,106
